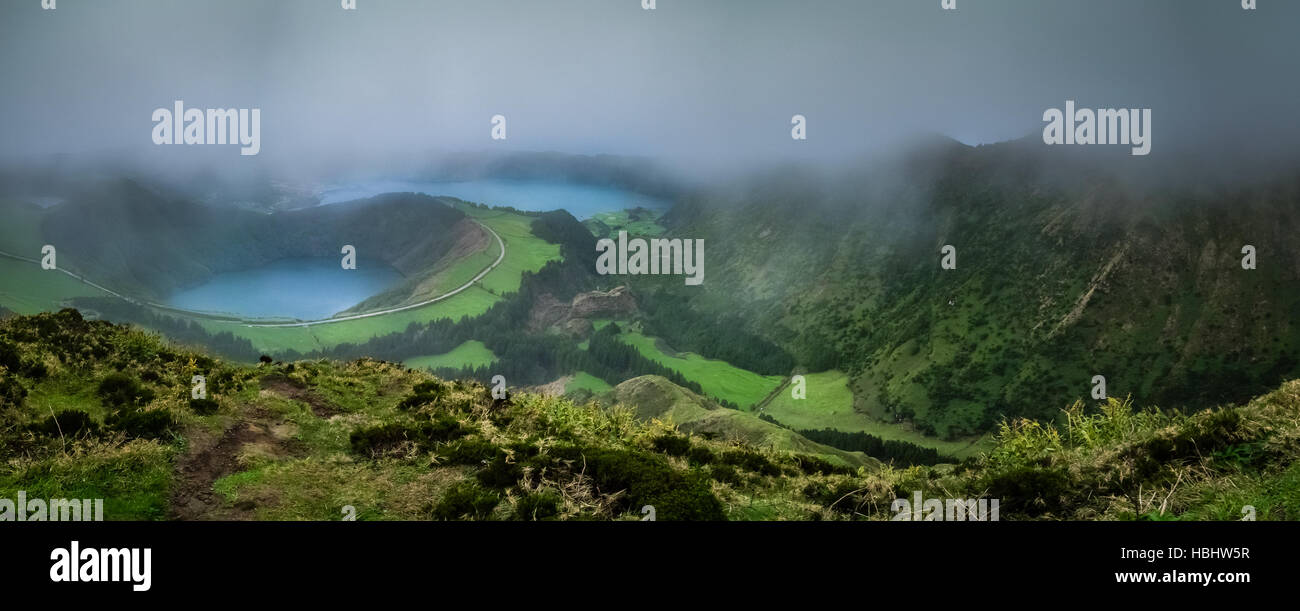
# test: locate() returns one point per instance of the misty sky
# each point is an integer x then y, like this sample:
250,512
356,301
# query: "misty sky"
693,79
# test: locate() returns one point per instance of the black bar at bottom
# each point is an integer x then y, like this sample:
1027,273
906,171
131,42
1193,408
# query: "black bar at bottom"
941,559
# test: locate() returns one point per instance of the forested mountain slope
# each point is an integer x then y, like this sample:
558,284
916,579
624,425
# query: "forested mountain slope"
1059,276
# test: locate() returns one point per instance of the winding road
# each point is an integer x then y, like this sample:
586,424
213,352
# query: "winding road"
480,275
306,323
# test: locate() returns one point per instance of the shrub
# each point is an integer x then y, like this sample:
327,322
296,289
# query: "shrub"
473,451
416,400
203,406
69,423
726,474
12,392
1034,490
465,499
499,473
538,506
384,438
814,465
648,479
700,455
432,387
379,440
36,370
672,445
750,461
845,495
119,389
9,357
141,424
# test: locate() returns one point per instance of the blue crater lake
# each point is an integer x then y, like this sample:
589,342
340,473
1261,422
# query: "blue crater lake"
582,201
304,288
312,289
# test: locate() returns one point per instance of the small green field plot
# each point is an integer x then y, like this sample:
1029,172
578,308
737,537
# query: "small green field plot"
471,302
525,252
585,381
469,354
461,271
636,221
829,404
718,378
600,323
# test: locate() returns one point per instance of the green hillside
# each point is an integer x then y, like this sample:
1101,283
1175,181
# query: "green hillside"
653,397
93,410
1056,280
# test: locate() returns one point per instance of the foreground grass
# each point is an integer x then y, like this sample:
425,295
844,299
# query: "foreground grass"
93,410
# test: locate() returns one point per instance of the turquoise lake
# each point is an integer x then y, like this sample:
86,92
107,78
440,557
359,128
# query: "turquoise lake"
311,289
305,288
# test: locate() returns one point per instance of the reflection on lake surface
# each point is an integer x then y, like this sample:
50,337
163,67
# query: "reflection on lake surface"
305,288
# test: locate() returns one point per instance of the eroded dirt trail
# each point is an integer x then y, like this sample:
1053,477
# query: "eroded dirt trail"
255,432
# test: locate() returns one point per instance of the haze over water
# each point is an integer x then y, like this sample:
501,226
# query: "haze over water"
304,288
582,201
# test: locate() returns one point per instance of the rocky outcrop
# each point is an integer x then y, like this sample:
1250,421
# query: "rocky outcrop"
575,317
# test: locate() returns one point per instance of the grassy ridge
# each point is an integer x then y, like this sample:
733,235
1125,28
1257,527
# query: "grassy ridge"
302,440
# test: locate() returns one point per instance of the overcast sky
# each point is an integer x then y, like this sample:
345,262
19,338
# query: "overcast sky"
693,79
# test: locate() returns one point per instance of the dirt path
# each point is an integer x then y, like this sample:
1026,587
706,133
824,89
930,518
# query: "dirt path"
211,457
208,460
285,387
